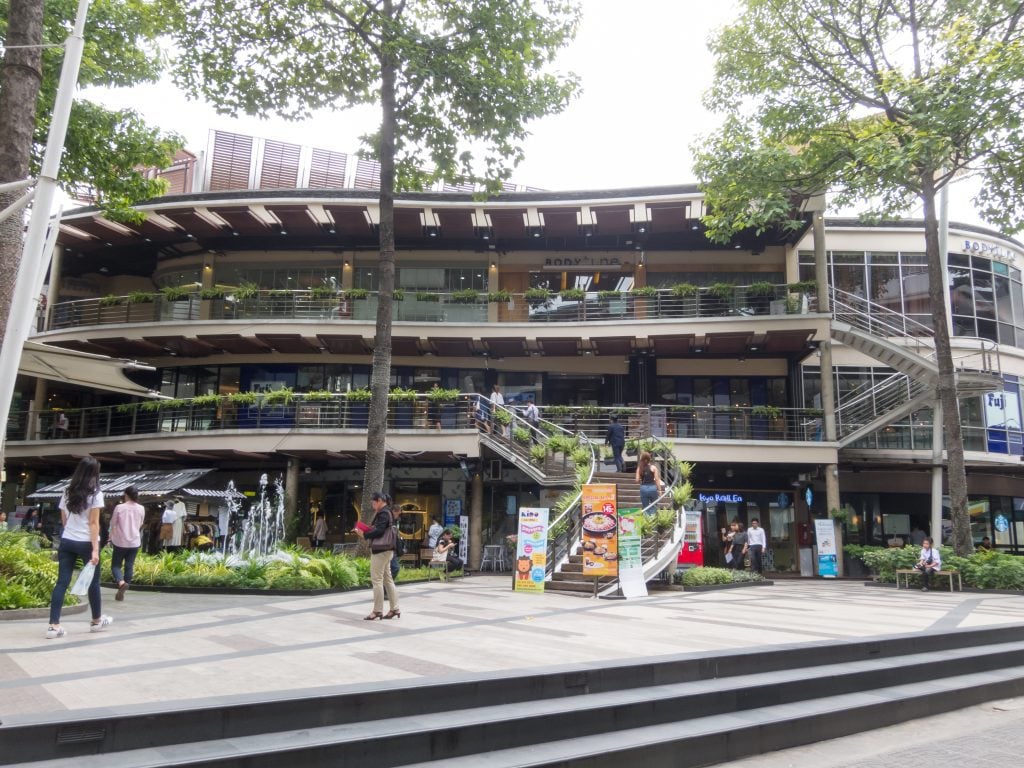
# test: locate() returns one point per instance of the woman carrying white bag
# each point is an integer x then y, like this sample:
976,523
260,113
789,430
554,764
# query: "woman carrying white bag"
80,512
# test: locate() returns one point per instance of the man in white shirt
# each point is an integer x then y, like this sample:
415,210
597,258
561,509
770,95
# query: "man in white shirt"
434,533
497,399
757,542
929,562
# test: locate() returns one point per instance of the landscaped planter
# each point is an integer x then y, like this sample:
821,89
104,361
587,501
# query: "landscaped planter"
731,585
358,415
401,415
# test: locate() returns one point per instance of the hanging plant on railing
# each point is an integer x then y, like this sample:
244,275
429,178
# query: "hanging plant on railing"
721,290
502,417
319,394
398,294
465,296
766,411
646,291
499,297
205,401
140,297
682,494
283,396
573,294
808,287
322,292
126,407
607,296
242,398
761,289
683,290
217,292
442,395
428,296
357,294
537,296
176,292
581,457
686,469
112,300
401,395
358,395
562,444
246,290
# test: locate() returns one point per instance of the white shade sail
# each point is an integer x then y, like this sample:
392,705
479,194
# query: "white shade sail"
81,368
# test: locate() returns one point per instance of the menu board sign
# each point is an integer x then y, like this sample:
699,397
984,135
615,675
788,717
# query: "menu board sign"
531,549
600,525
631,565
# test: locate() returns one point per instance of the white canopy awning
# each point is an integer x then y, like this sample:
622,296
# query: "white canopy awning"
81,368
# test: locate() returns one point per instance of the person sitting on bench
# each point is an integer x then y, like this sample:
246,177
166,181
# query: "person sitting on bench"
929,563
447,546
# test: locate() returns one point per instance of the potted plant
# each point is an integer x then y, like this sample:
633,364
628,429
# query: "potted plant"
536,297
398,294
573,294
499,297
759,297
276,397
358,406
209,294
521,435
246,290
717,299
647,291
537,454
402,403
684,300
427,296
357,294
607,296
176,292
465,296
444,403
320,292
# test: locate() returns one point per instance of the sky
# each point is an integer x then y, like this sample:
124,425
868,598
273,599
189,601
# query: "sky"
644,65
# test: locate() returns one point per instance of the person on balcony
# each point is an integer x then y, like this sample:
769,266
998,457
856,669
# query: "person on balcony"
615,436
61,426
651,486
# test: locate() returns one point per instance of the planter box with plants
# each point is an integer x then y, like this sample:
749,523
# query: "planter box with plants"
402,404
444,406
357,407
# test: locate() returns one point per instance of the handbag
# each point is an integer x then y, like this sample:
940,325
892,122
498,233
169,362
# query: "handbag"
386,541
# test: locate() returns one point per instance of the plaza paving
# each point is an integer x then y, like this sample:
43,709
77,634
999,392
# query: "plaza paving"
167,649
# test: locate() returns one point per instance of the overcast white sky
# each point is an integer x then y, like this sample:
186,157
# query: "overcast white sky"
643,63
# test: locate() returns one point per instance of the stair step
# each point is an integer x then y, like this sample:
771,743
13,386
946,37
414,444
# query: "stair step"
682,711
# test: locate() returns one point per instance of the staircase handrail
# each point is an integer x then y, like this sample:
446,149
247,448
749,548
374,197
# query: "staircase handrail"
505,443
849,308
559,546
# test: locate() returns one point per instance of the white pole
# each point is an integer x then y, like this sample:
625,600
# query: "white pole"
33,267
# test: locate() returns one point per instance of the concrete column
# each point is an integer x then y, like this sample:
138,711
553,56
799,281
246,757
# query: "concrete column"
476,522
53,287
828,393
347,273
937,440
291,497
493,285
33,425
207,280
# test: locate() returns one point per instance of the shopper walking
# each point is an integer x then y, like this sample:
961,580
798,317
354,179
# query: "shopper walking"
651,487
125,524
615,436
757,543
382,537
80,508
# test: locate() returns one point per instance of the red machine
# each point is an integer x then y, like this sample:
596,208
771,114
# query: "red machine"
691,554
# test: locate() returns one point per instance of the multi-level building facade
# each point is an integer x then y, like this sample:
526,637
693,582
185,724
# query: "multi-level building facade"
255,280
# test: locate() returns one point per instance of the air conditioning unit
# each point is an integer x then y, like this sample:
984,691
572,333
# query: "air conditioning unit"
494,469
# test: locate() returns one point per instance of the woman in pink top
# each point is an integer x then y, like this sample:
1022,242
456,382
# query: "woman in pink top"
125,523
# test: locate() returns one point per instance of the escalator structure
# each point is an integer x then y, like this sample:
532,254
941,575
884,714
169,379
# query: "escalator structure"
908,348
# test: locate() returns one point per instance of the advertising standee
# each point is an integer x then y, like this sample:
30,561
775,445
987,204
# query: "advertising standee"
828,562
531,549
600,528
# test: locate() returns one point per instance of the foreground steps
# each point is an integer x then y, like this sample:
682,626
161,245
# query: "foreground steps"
686,711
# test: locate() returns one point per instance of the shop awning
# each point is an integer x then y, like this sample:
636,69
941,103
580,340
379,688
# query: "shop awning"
81,368
153,483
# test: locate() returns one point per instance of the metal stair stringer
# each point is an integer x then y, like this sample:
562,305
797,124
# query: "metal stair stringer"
509,452
918,401
894,355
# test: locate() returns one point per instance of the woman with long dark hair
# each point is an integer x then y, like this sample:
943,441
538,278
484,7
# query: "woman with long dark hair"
651,487
80,540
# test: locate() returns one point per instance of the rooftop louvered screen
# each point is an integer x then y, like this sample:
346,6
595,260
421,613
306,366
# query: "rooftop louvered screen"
280,167
327,169
232,159
367,174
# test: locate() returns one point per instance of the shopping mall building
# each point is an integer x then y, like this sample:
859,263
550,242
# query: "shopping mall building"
258,273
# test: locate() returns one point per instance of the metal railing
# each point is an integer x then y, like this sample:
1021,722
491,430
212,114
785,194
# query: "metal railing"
338,412
423,306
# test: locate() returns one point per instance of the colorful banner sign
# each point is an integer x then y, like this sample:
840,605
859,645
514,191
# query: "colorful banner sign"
531,549
631,564
828,563
600,529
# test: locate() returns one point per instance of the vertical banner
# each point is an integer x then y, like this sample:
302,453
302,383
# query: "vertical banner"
828,565
531,549
631,564
600,526
464,538
452,512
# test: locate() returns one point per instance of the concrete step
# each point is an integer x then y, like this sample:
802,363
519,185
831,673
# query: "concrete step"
681,711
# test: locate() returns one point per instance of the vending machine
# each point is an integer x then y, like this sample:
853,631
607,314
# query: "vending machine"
691,554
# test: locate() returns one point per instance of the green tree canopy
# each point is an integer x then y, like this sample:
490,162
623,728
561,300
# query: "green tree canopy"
456,82
881,103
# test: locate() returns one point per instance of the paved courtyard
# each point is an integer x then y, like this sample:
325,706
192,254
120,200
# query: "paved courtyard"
166,647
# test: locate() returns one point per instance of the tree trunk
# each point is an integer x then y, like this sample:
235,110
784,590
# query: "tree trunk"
376,434
956,476
20,78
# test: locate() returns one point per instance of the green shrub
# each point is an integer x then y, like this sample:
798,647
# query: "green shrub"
465,296
645,290
282,396
141,297
537,296
502,417
521,435
400,394
694,577
246,290
538,453
664,520
176,292
28,573
499,297
442,395
357,294
427,296
358,395
573,294
682,290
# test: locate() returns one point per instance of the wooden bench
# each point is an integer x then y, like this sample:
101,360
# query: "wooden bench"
908,572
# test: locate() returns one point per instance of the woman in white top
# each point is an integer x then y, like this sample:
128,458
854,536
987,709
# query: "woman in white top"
80,540
125,523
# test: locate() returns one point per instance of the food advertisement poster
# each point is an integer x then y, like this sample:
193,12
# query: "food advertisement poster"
631,565
531,549
600,526
828,565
